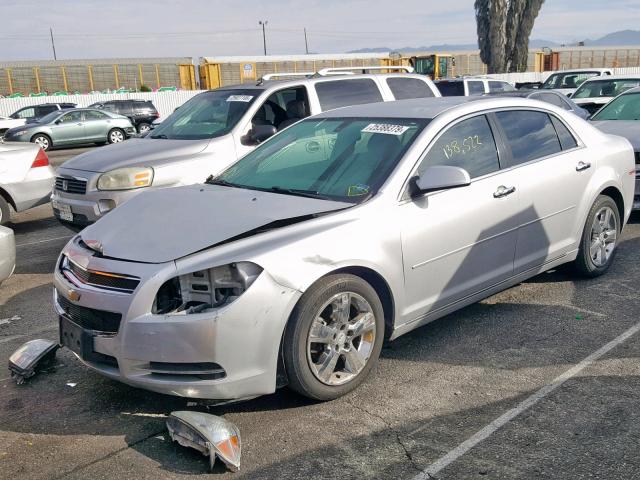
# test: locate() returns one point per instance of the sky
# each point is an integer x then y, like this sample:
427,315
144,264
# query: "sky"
194,28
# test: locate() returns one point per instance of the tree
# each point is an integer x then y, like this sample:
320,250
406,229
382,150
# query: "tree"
504,27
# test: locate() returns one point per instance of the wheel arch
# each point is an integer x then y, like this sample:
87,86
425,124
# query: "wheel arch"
381,286
43,134
7,197
616,195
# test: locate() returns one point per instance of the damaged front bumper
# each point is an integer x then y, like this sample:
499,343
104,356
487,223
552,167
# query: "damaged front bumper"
227,353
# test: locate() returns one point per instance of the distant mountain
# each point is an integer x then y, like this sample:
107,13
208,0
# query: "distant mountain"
617,39
621,38
445,47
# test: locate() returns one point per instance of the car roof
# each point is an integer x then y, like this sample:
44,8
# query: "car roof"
277,84
626,76
412,108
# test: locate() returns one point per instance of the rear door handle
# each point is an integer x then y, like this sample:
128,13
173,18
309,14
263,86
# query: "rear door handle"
503,191
582,166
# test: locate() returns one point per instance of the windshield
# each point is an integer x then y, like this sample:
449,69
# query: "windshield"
568,79
208,115
625,107
605,88
49,117
345,159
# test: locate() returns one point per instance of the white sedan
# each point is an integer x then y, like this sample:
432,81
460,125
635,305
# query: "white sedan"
7,253
26,178
7,123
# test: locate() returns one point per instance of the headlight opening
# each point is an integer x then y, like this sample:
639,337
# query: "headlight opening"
204,290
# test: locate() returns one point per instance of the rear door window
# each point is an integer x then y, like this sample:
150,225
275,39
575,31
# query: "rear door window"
341,93
403,88
530,134
468,144
475,87
567,140
451,89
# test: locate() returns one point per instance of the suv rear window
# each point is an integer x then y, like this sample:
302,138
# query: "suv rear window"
451,89
403,88
342,93
530,134
475,87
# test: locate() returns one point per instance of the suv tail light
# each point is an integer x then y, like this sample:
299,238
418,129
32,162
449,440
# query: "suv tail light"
41,160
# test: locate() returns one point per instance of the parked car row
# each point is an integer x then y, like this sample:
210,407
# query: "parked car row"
311,241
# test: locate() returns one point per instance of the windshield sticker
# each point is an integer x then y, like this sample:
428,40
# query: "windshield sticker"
239,98
357,190
385,128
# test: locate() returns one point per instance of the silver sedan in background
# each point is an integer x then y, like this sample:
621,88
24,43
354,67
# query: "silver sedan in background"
26,178
73,127
295,263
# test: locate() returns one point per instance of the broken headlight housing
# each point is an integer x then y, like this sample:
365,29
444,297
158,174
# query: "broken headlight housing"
126,178
204,290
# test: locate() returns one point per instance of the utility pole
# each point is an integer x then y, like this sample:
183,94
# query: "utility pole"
53,44
264,36
306,45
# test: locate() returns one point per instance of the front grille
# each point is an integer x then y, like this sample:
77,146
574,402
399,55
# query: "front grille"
90,318
109,281
71,185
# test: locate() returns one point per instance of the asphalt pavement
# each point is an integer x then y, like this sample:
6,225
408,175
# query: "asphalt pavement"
499,390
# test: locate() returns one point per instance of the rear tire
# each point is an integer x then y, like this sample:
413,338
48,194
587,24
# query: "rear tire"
116,135
344,315
5,212
599,241
44,141
143,128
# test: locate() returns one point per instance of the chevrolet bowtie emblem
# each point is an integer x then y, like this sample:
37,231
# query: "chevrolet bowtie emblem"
73,295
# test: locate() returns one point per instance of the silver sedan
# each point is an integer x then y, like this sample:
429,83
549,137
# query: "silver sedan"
295,263
73,127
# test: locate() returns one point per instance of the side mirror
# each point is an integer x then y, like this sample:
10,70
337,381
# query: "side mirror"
439,177
569,94
258,134
58,122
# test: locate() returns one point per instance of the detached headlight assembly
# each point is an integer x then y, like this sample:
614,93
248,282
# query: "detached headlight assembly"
203,290
126,178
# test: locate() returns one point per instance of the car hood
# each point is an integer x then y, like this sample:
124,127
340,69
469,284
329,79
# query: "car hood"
630,129
159,226
136,151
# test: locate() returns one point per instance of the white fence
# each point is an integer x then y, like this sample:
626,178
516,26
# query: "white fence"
165,102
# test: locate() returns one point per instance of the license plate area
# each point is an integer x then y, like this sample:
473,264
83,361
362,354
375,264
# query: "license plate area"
76,338
64,211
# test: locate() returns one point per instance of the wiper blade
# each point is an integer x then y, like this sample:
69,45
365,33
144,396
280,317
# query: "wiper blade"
298,192
211,180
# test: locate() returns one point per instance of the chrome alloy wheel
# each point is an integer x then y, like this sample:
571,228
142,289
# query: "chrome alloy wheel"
116,136
341,338
604,233
42,142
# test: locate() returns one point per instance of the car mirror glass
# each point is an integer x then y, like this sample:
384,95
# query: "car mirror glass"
439,177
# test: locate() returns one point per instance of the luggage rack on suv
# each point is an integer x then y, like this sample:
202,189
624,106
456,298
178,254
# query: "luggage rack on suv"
324,72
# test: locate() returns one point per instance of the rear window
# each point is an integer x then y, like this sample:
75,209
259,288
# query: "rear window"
451,89
530,134
551,98
347,92
403,88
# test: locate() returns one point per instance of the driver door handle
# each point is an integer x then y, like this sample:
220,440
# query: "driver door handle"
582,166
503,191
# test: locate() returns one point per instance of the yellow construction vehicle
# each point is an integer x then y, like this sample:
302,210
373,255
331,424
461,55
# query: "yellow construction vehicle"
436,65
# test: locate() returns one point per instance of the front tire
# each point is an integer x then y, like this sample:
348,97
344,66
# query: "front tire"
334,337
599,238
143,128
42,140
115,135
